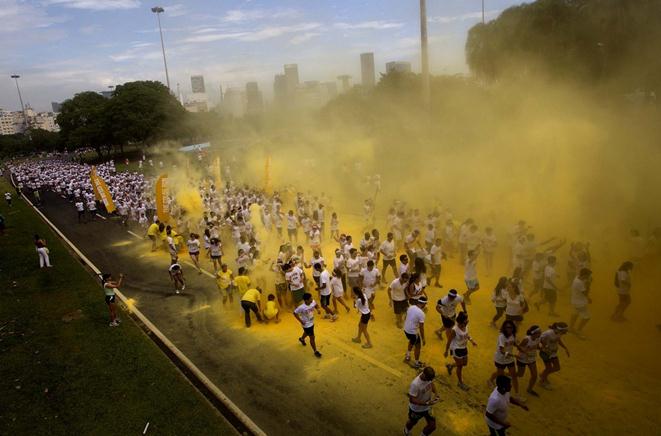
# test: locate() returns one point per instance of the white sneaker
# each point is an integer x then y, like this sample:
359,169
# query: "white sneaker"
113,324
183,287
176,291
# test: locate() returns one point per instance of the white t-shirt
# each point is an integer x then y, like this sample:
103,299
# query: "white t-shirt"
370,278
336,287
363,308
295,278
414,317
313,262
436,253
578,293
353,265
403,268
421,390
306,313
449,306
514,305
549,276
460,339
497,406
291,222
470,270
324,279
388,249
624,279
79,206
193,245
398,290
489,243
507,345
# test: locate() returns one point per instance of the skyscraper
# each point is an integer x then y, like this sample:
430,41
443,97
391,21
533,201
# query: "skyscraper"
254,102
291,76
367,70
280,89
197,84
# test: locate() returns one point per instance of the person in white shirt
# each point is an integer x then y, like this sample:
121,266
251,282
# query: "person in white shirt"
323,286
387,250
316,260
516,304
337,290
304,313
370,277
397,297
470,275
403,264
362,305
504,357
549,342
550,286
414,329
499,299
193,245
497,406
436,254
296,281
580,298
447,307
527,357
80,208
292,227
623,285
422,396
457,345
353,269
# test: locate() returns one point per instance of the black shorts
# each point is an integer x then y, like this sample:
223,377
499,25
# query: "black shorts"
414,339
325,300
417,416
110,299
400,306
515,318
309,331
522,365
460,353
215,257
448,323
365,318
503,366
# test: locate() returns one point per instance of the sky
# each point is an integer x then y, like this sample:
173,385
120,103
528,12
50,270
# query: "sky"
62,47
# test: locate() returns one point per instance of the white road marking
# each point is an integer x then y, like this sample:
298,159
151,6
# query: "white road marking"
101,216
137,236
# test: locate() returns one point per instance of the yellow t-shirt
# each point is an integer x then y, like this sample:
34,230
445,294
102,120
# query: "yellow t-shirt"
242,283
224,279
252,295
152,230
271,309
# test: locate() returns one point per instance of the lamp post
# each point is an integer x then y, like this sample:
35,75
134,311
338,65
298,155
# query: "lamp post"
20,98
424,54
158,10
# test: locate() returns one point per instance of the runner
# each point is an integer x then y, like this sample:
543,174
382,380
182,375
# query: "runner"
370,278
387,250
504,357
497,406
363,306
252,301
499,299
216,252
623,285
193,244
296,281
527,357
323,287
292,227
516,304
337,289
580,298
397,297
224,281
109,287
457,346
549,342
436,254
549,288
414,329
470,275
304,313
447,307
42,251
177,277
422,396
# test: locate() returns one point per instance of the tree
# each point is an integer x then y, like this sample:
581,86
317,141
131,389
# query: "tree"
82,122
143,111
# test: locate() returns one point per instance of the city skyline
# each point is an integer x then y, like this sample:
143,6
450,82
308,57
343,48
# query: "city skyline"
60,47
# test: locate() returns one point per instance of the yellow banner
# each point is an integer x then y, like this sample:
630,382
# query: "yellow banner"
161,197
101,191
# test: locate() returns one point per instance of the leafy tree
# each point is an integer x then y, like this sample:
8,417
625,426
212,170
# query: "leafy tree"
82,122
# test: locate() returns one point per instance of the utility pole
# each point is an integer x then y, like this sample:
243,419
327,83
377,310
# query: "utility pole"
20,98
158,11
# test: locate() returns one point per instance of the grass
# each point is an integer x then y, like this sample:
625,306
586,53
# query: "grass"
63,371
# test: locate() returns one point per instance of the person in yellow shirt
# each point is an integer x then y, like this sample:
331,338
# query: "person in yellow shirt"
252,300
242,281
152,234
224,282
271,310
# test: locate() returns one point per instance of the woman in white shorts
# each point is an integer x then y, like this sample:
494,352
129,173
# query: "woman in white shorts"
527,357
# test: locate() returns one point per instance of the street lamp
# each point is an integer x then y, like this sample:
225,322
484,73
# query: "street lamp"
25,117
158,10
424,54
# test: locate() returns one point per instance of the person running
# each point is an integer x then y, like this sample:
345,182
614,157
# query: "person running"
414,329
296,281
387,250
498,405
422,396
304,313
353,269
403,264
527,357
271,310
42,251
337,290
323,287
224,279
499,299
177,277
397,298
516,303
370,278
109,287
292,227
363,306
550,286
216,253
252,301
436,254
80,208
193,245
457,345
623,286
580,298
549,342
447,307
504,357
470,275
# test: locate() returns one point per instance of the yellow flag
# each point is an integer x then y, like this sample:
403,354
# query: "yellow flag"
101,191
161,196
267,176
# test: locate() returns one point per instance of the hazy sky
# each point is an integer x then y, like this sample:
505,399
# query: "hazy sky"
61,47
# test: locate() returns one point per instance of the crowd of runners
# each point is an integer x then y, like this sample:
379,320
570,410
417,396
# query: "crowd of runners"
320,268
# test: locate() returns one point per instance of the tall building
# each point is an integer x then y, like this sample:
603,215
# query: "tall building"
280,90
367,70
11,122
398,66
291,77
345,80
197,84
57,107
234,102
254,101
